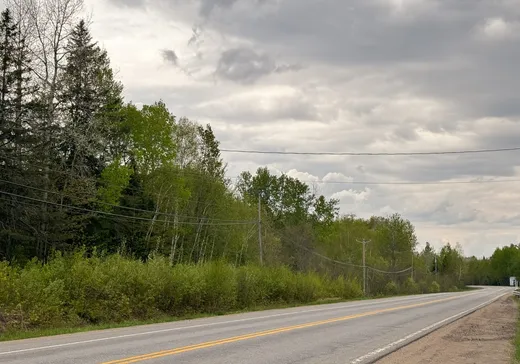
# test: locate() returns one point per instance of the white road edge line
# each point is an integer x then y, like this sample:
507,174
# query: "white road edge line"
223,323
361,359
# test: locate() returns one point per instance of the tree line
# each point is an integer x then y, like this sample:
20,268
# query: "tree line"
81,168
495,270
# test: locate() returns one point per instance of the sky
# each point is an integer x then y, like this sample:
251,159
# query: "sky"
345,76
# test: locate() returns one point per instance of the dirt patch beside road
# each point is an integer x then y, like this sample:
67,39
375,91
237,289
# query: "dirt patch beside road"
483,337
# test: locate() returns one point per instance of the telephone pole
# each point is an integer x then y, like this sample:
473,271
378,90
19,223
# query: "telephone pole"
260,229
412,265
364,242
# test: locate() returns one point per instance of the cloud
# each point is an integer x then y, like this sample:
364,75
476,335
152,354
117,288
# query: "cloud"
129,3
170,56
498,29
207,6
263,104
244,65
335,76
353,195
302,176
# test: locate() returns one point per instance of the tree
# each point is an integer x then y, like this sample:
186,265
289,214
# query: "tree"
88,98
18,108
396,240
150,132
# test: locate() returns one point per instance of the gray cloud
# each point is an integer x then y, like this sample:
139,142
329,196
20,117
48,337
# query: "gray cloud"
362,75
170,56
244,65
207,6
129,3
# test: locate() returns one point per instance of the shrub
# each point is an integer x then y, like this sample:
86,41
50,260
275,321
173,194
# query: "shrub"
410,287
391,288
220,291
76,289
423,286
347,288
309,287
435,287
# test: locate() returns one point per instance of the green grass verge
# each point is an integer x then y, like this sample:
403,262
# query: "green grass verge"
36,333
516,343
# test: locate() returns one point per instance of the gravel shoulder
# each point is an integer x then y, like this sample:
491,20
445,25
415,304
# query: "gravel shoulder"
484,337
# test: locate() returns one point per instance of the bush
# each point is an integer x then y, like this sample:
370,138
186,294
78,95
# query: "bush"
220,291
391,288
309,287
423,286
347,288
76,290
410,287
435,287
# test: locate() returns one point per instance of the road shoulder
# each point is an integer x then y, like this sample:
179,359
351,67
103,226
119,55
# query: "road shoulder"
483,337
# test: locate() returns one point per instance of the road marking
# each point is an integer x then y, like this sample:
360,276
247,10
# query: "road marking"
346,306
376,352
163,353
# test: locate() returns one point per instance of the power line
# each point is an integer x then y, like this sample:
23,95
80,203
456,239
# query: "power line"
128,187
371,154
245,222
389,272
348,264
117,206
319,181
415,182
327,258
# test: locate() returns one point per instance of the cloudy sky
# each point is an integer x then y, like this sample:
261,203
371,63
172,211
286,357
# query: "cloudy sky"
345,76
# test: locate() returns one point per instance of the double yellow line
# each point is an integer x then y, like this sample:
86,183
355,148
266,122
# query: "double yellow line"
208,344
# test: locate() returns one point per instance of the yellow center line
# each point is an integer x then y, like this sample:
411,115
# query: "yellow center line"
159,354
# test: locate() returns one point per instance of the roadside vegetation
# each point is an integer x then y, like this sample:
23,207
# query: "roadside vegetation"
78,291
111,212
516,342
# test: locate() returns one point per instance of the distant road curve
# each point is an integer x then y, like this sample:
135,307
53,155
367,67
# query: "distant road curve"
355,332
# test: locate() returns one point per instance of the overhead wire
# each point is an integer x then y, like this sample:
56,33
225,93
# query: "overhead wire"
371,154
116,206
318,181
238,222
349,264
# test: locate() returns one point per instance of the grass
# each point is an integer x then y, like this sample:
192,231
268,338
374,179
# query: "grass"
35,333
516,343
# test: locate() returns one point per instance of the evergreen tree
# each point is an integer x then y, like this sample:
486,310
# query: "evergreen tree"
7,80
90,98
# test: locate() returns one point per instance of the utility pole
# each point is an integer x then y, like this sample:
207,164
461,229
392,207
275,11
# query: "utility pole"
364,242
260,229
435,257
412,265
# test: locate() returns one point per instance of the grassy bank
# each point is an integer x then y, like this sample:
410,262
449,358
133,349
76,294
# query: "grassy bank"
516,356
77,293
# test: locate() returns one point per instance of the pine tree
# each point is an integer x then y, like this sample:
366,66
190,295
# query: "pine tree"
90,99
7,79
17,109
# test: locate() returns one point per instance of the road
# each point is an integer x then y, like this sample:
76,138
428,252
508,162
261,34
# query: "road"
355,332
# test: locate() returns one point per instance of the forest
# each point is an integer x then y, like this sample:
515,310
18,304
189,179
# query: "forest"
111,212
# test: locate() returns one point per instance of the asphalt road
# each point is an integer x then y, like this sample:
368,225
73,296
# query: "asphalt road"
356,332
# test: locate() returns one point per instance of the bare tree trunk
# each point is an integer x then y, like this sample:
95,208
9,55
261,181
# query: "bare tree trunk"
175,236
197,235
212,248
